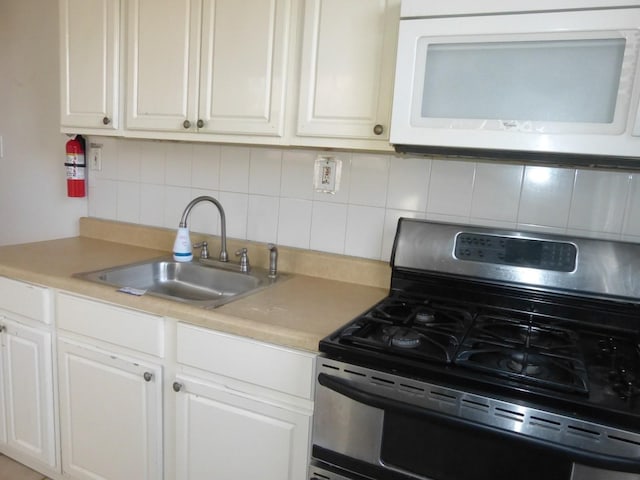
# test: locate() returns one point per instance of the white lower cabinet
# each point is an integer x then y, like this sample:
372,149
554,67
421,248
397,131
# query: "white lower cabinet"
27,408
28,390
110,414
243,408
230,435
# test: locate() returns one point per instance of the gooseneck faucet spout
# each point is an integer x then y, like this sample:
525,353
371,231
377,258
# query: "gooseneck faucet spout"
224,256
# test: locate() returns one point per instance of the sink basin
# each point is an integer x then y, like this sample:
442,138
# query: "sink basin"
191,282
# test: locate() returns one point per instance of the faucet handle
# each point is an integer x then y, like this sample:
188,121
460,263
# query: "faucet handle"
204,253
245,267
273,260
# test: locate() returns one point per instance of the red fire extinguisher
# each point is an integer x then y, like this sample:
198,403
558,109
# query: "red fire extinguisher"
76,167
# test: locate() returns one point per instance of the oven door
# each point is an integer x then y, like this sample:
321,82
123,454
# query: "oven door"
362,430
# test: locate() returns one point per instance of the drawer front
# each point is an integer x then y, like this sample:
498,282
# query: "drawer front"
266,365
109,323
25,299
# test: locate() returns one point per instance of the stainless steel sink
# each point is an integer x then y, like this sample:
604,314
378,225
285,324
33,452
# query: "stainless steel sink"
192,282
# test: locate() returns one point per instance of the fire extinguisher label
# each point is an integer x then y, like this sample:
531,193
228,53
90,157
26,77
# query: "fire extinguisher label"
75,172
75,159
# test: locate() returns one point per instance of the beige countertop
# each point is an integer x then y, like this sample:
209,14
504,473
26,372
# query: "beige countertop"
296,312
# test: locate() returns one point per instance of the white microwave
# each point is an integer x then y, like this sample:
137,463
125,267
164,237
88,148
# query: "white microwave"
491,79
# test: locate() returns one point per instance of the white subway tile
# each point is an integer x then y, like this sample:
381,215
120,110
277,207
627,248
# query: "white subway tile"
175,201
297,174
599,201
129,160
205,169
152,163
450,188
294,222
529,227
546,197
236,206
496,192
128,202
438,217
152,205
408,183
178,163
262,218
328,227
365,227
265,171
369,180
234,169
103,197
632,216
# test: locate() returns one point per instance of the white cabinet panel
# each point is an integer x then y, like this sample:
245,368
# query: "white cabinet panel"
347,68
109,323
110,415
89,54
270,366
28,390
24,299
163,49
227,435
243,67
212,66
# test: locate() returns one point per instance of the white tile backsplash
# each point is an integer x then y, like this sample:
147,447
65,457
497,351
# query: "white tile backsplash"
546,196
599,200
268,194
496,192
294,222
451,187
365,229
369,178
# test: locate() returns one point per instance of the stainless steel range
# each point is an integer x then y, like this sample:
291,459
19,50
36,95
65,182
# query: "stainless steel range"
496,355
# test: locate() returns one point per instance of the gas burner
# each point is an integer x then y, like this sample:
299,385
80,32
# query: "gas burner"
401,337
425,318
521,363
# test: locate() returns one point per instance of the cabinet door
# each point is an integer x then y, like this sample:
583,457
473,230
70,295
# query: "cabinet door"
347,69
228,435
110,415
89,43
243,67
162,73
28,385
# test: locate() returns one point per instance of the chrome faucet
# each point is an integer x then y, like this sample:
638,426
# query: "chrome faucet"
224,256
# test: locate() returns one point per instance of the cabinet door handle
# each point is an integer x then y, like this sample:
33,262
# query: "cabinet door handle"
200,123
147,376
186,124
378,129
106,120
177,386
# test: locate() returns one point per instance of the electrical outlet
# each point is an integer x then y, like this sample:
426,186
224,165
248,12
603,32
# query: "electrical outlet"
327,174
95,157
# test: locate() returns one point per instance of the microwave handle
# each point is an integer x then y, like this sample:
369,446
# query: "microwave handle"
344,387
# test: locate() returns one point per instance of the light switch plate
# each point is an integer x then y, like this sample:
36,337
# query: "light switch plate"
95,157
1,147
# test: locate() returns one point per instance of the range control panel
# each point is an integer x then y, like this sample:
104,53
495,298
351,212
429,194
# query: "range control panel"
521,252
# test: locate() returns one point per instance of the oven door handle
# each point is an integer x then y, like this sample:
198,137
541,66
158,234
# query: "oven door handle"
599,460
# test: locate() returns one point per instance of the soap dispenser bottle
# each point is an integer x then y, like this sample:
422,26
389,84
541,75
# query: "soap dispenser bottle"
182,246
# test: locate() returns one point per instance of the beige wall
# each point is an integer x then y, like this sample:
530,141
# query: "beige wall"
33,202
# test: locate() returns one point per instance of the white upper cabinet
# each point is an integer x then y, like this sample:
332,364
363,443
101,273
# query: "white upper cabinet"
347,69
89,56
214,66
162,63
